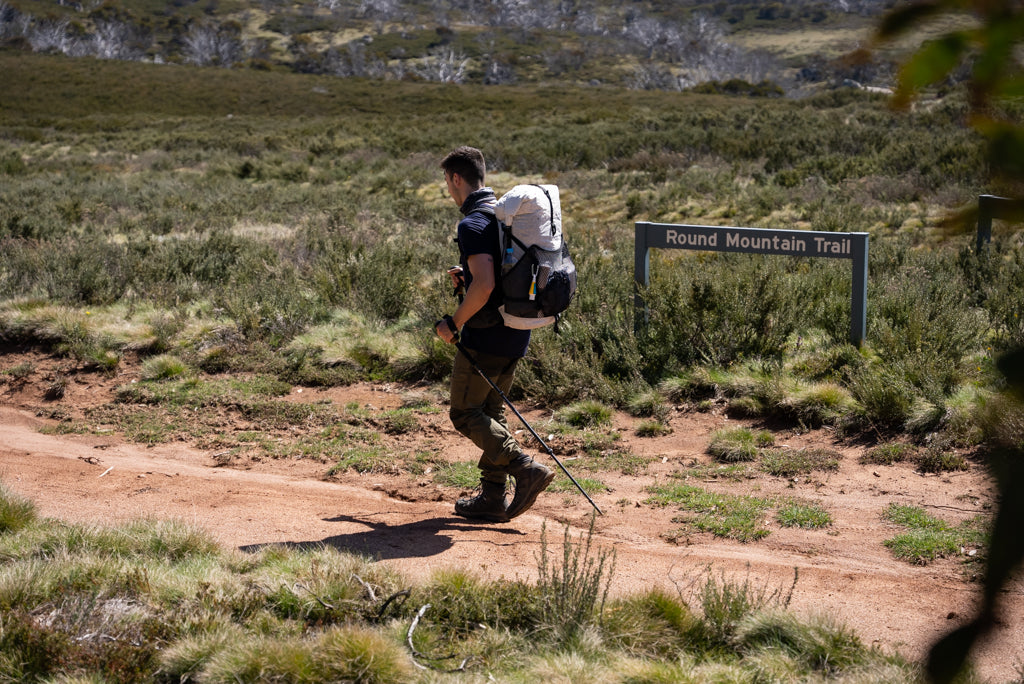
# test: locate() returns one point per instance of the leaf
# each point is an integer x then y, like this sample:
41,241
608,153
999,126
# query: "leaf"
1007,150
931,63
1012,86
905,18
998,40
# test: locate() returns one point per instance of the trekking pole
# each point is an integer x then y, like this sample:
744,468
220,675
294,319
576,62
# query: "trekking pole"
533,432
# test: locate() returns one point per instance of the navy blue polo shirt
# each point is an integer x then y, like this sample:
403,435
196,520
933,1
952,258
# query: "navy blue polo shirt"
478,234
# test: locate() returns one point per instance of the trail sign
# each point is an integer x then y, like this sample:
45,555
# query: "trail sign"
803,243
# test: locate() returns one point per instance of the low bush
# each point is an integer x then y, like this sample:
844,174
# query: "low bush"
940,461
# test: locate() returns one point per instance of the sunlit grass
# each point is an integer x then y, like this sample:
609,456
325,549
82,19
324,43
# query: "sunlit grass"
197,611
927,538
723,515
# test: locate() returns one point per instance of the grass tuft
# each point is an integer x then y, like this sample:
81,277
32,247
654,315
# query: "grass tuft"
940,461
164,367
802,514
928,537
652,428
738,444
724,515
16,512
584,414
790,462
888,454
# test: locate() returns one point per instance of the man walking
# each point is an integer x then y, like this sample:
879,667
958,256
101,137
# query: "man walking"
477,410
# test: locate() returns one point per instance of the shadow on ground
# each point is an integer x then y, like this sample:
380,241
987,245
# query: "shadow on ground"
381,541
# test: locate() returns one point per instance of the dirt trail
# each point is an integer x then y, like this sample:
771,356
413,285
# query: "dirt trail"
844,570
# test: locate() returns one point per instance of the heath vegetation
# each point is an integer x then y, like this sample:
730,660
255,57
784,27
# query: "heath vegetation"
282,223
247,222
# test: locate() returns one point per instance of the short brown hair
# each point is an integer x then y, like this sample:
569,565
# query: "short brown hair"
468,162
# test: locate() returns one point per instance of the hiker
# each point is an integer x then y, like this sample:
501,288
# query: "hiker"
477,410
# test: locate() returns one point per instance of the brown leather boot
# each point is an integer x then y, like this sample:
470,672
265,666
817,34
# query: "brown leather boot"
532,478
488,505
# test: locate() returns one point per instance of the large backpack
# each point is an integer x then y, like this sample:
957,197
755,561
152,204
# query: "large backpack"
538,277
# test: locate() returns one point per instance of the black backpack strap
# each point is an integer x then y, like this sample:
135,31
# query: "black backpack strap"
551,203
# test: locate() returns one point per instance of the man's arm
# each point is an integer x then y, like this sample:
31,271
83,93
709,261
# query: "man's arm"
481,267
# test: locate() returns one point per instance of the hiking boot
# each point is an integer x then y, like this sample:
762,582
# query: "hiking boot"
532,478
488,505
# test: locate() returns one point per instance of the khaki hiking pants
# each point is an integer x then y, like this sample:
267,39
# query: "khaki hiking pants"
478,412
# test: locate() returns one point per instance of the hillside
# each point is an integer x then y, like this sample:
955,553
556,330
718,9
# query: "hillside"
652,45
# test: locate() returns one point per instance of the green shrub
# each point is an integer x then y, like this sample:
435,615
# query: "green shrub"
721,308
263,658
30,651
819,644
694,384
939,461
359,654
399,421
819,404
652,428
746,407
11,164
885,398
460,603
727,602
572,590
648,404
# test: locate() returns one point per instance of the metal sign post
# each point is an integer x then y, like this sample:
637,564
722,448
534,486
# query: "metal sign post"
993,207
803,243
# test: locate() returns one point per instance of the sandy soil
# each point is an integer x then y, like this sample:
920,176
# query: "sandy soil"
407,521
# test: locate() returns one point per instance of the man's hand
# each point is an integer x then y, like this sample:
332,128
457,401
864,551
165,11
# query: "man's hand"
455,273
481,268
446,330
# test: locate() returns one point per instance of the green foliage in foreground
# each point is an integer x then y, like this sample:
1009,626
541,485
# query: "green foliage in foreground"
154,601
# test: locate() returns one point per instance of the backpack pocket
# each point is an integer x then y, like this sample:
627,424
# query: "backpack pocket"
541,284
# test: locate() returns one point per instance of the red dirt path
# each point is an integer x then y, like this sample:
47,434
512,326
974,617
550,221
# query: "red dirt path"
407,521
